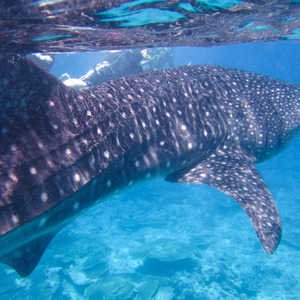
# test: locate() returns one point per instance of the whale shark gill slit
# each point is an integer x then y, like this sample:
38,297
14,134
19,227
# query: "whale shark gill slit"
63,150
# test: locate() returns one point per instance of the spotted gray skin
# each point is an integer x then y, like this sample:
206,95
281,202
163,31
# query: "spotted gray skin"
63,150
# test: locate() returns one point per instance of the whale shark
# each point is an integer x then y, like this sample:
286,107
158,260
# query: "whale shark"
63,150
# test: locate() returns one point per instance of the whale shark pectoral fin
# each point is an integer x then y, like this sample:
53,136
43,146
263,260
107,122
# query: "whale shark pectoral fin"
234,173
25,258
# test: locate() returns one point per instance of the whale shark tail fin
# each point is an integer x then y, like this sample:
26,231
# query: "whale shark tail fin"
25,258
24,83
27,94
32,103
234,173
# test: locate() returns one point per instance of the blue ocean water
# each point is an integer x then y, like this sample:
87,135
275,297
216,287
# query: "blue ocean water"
163,240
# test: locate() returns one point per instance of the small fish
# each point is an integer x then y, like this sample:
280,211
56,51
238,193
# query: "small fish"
62,150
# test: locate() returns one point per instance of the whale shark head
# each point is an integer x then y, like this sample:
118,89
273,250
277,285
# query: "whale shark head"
287,105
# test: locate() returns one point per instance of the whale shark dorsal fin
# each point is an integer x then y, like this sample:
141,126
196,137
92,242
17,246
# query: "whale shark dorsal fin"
233,172
25,258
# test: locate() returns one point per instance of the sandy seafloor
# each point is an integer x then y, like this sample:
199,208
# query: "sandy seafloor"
166,241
